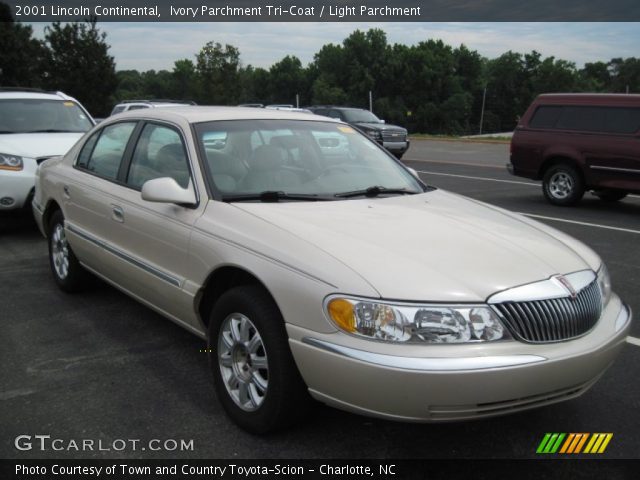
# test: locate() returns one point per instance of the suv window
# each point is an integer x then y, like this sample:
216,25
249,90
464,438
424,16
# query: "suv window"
622,120
589,119
545,117
159,153
109,150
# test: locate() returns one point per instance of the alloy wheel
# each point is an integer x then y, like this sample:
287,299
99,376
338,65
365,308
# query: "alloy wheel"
242,359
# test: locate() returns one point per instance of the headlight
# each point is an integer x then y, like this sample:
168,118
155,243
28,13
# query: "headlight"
375,134
604,282
416,323
10,162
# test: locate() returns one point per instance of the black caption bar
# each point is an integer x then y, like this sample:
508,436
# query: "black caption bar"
324,10
316,469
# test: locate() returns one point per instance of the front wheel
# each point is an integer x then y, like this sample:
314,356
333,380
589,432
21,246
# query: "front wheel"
67,271
254,373
563,185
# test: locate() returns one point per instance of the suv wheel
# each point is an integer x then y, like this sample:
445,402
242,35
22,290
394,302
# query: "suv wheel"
66,269
253,370
611,195
563,185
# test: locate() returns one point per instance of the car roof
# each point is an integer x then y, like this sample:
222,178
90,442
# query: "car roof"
589,98
197,114
26,95
334,107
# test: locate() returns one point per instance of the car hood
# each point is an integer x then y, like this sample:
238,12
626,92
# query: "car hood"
380,127
34,145
436,246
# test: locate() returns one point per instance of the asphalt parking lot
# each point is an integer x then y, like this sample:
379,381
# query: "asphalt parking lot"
101,366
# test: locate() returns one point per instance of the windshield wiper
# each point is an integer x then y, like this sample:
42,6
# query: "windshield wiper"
375,191
273,196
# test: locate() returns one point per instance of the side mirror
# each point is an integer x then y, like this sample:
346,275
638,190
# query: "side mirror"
167,190
382,121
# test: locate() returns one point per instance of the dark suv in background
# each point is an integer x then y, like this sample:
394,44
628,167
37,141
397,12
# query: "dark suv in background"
391,137
579,142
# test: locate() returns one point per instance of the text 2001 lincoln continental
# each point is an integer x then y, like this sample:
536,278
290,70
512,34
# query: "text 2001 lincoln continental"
317,265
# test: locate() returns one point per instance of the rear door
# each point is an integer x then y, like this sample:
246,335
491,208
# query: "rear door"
615,161
91,190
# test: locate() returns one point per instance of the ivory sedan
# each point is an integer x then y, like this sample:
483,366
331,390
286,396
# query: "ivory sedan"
317,265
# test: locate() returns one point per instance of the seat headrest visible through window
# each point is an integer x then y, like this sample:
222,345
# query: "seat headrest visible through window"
268,157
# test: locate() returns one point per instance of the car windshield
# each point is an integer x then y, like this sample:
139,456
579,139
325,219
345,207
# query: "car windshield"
37,116
360,116
273,160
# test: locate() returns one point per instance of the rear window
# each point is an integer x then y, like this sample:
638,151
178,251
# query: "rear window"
545,117
587,119
621,120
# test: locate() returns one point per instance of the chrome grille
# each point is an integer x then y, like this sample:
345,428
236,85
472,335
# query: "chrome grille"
553,320
393,136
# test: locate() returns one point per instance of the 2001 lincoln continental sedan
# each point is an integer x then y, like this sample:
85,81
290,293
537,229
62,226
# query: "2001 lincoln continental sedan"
317,265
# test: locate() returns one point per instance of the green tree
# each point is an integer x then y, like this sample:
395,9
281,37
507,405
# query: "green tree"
183,81
218,74
286,79
130,85
595,77
625,75
21,55
79,64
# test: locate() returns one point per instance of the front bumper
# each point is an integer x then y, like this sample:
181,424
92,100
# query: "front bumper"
395,147
16,188
455,382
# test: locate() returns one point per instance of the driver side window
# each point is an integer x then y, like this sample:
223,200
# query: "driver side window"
160,152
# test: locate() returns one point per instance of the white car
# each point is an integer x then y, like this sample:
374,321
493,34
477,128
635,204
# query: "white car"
34,126
317,265
128,105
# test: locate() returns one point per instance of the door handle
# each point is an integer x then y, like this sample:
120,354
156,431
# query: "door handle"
117,213
65,189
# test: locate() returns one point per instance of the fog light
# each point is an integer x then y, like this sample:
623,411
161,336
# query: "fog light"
6,201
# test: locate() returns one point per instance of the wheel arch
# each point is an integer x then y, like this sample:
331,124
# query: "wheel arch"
558,159
50,209
218,282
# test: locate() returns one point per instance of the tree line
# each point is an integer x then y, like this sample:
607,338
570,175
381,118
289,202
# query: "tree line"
430,87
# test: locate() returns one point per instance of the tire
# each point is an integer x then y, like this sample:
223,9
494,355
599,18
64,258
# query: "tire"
254,373
65,267
563,185
611,195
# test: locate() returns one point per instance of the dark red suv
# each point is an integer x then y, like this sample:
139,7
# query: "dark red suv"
579,142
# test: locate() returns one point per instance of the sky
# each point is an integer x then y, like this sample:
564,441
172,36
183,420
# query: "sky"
145,46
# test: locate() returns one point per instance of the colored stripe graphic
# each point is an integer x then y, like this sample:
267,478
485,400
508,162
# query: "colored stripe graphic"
574,443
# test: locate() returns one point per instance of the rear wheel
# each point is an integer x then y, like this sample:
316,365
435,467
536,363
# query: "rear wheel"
253,370
66,269
563,185
611,195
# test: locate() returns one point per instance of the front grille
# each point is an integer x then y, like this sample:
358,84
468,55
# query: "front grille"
555,319
393,136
